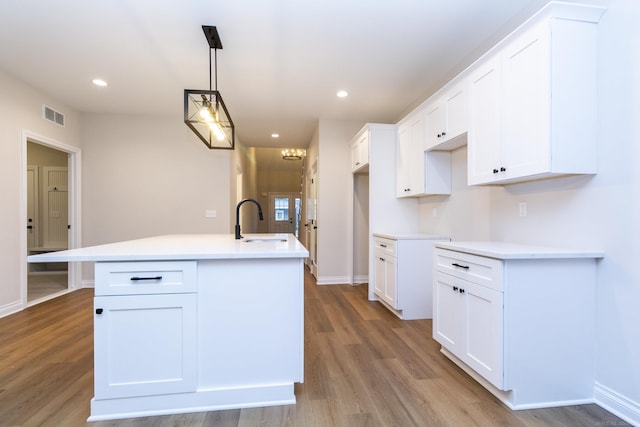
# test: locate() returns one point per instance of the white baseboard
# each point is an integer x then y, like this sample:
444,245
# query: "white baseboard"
10,308
360,279
333,280
617,404
88,284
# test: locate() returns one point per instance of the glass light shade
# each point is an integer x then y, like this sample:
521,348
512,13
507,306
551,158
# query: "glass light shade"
208,117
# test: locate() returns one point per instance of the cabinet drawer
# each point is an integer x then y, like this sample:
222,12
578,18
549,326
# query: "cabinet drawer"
477,269
384,246
149,277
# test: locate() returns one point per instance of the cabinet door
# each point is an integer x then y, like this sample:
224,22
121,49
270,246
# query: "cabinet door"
456,105
360,152
403,159
526,72
448,323
483,311
435,124
390,282
385,279
484,145
144,345
379,276
416,156
410,156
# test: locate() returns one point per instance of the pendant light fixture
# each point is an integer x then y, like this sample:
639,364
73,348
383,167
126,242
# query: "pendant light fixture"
204,110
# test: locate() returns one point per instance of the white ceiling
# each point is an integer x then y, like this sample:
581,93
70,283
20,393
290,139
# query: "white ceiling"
281,64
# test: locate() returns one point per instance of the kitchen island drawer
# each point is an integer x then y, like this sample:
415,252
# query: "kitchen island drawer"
477,269
145,277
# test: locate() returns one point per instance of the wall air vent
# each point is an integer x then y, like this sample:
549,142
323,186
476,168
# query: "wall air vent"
53,115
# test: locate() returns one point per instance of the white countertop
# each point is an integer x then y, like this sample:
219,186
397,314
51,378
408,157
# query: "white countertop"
411,236
184,247
505,250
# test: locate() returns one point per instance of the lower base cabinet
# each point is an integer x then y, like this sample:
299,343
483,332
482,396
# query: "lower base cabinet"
402,273
144,345
468,318
518,319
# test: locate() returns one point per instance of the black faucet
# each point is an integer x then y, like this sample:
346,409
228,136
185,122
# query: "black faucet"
238,236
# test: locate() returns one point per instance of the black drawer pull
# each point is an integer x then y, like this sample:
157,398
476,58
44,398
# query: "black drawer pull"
137,279
455,264
383,245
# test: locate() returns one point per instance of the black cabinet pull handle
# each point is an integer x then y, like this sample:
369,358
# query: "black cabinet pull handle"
455,264
98,311
495,171
503,169
439,135
455,288
137,279
461,291
382,245
381,259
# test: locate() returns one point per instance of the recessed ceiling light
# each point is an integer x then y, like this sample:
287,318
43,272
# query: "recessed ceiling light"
342,94
99,82
275,135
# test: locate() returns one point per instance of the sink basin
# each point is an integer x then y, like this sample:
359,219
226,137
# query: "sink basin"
264,240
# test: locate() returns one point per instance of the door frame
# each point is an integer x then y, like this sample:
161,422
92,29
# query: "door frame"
73,162
293,218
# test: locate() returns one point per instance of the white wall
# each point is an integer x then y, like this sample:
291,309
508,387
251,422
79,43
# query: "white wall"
146,176
599,212
334,197
21,110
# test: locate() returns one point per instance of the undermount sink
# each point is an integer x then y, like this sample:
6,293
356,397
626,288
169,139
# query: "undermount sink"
265,239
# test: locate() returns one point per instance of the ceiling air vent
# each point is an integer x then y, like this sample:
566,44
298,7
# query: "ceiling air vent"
53,115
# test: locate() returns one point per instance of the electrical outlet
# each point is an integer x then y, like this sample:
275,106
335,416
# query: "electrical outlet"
210,213
522,208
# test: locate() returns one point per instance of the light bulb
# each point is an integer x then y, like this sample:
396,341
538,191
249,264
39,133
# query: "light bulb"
217,130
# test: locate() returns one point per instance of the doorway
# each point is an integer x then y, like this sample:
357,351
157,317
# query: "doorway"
51,216
312,219
284,213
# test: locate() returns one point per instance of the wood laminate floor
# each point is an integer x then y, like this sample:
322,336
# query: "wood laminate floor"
41,285
363,367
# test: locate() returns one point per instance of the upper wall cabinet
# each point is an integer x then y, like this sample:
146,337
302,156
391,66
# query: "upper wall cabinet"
360,152
532,100
447,118
419,173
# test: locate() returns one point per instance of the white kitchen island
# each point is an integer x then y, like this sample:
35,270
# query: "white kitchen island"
190,323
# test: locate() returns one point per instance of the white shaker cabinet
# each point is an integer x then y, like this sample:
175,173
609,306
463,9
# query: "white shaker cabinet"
419,173
145,329
360,152
402,273
518,319
385,271
467,317
533,100
447,118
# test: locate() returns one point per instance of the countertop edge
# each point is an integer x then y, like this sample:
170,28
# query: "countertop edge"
506,250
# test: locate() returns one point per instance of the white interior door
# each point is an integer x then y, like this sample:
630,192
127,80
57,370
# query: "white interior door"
55,207
312,220
284,213
32,207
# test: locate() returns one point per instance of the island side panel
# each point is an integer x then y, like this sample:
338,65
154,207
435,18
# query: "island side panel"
250,322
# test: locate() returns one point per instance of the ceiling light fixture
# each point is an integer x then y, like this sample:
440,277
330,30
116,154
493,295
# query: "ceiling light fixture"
342,94
204,110
294,153
275,135
99,82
